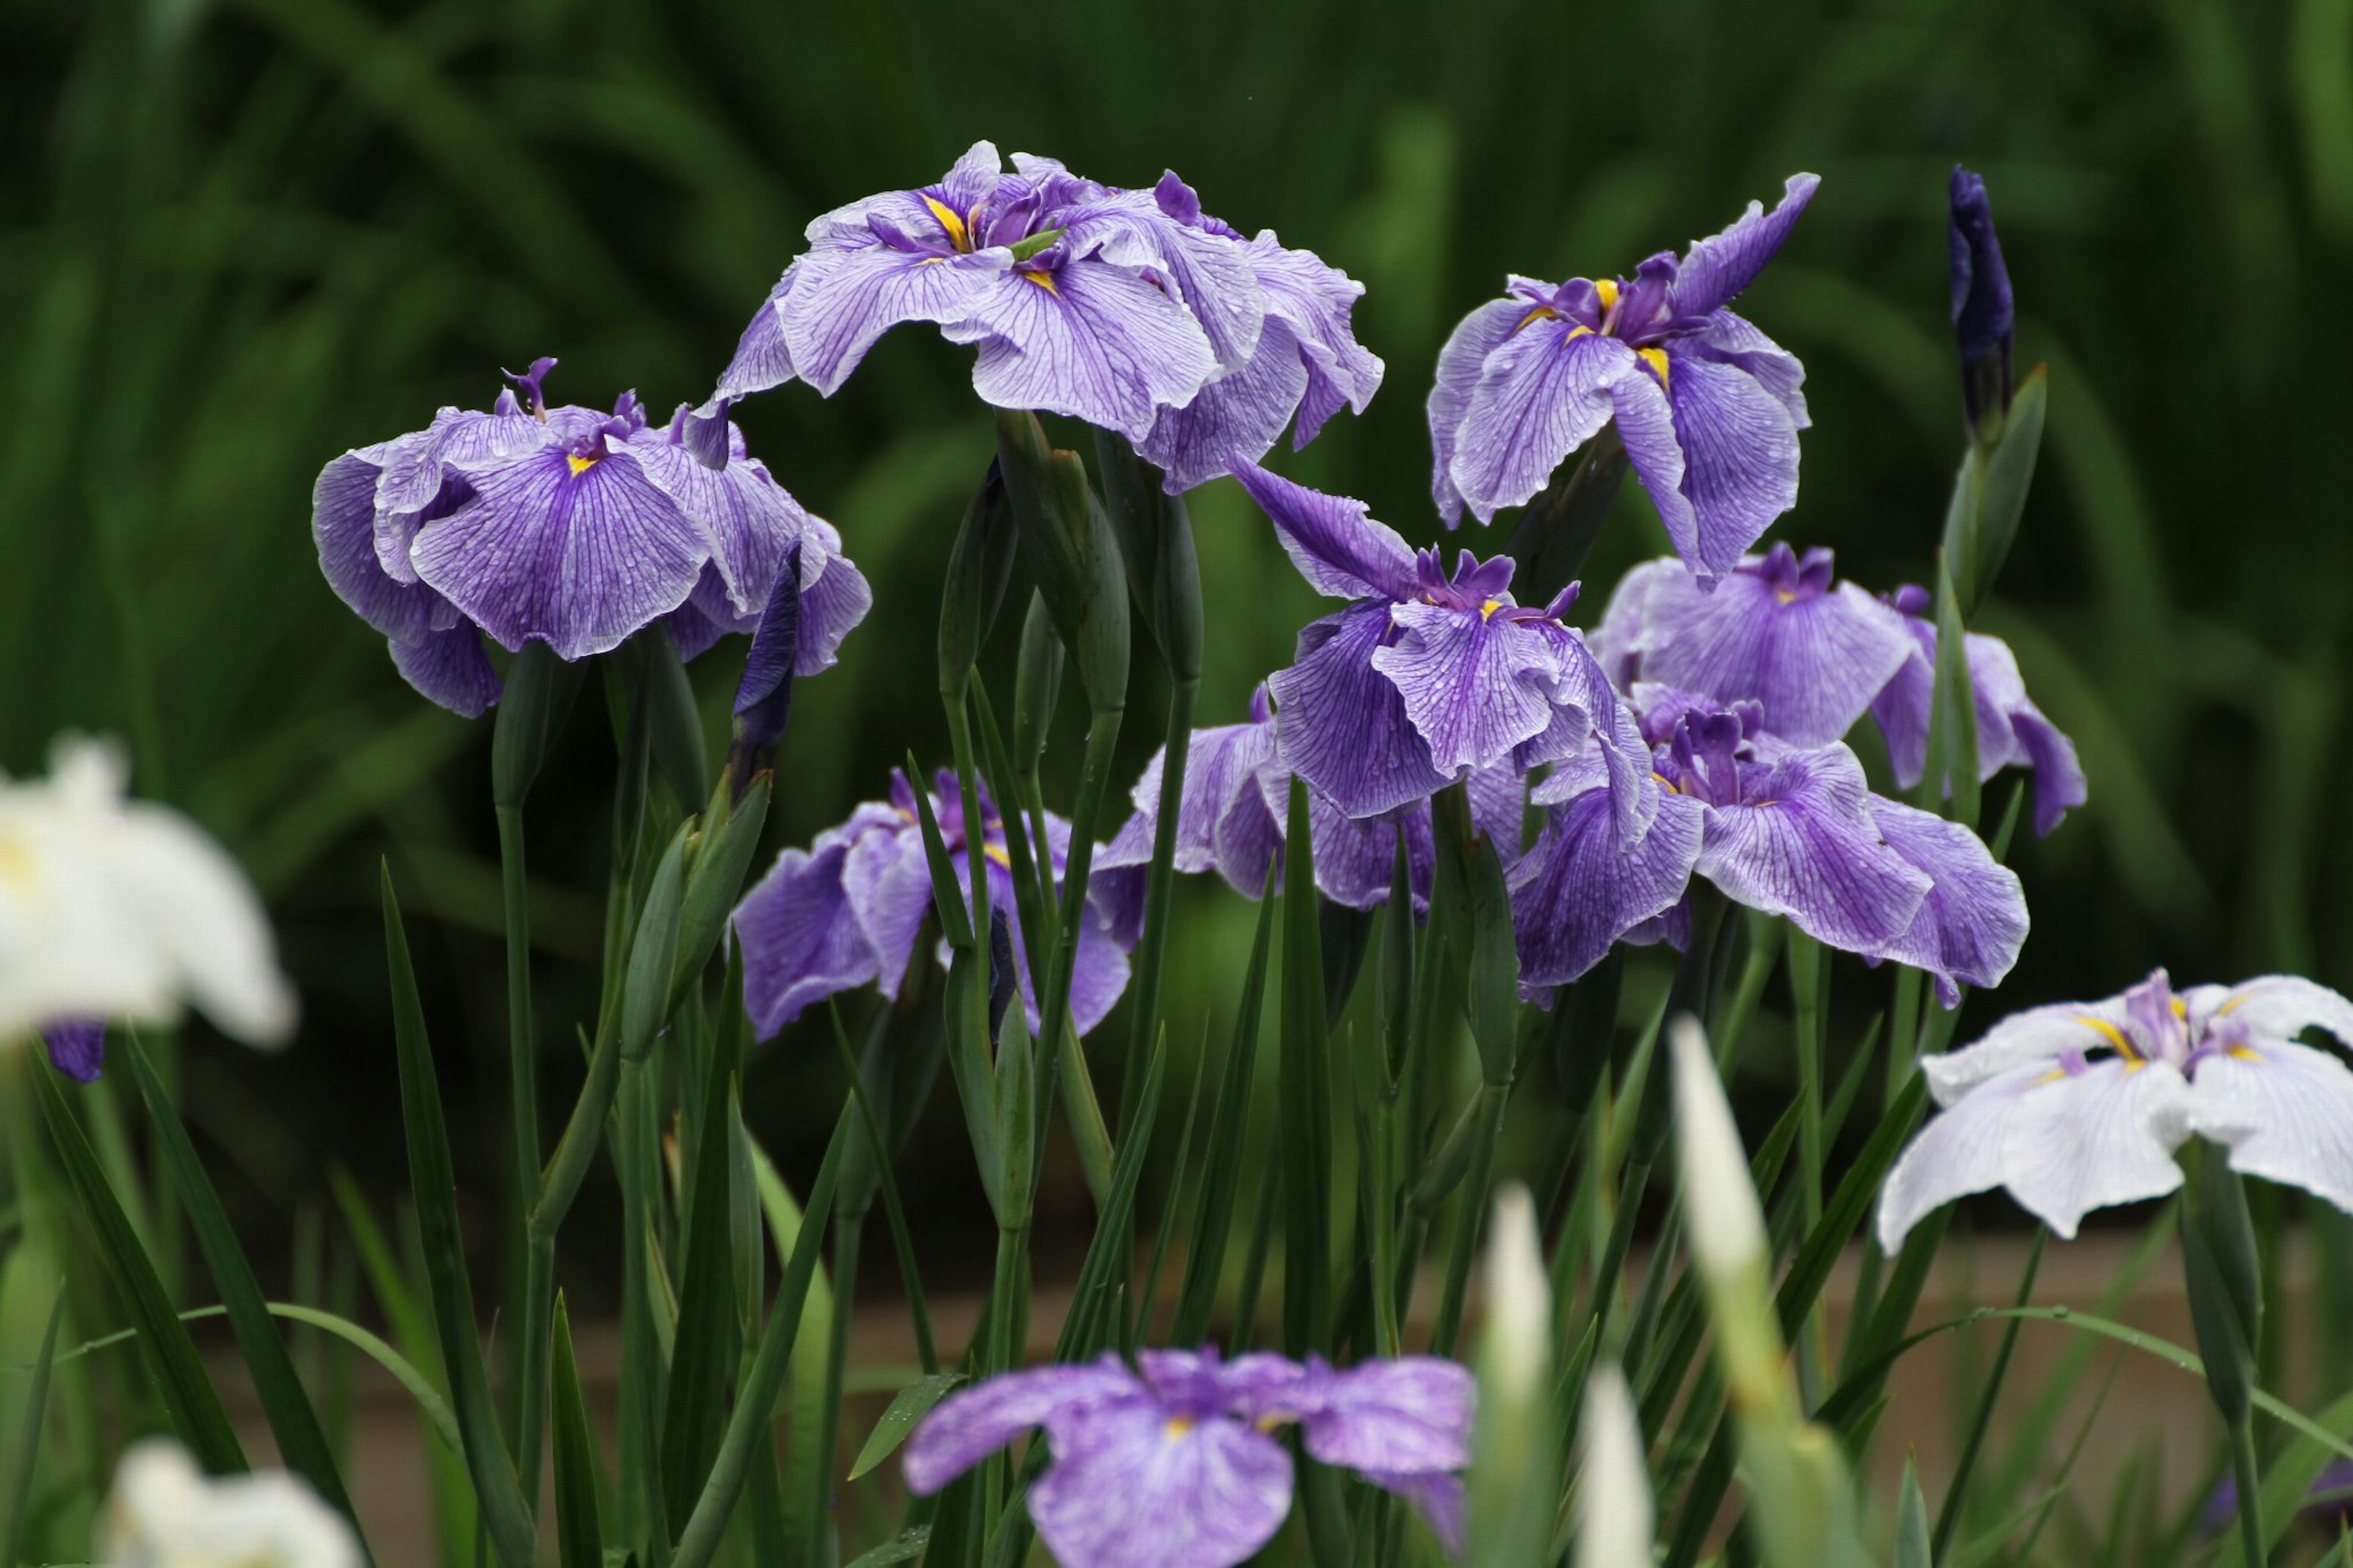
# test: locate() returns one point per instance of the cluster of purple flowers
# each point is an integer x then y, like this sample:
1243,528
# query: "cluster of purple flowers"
1174,1463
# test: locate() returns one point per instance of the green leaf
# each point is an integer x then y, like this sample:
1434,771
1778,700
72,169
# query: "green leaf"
579,1532
904,1547
1950,784
1912,1549
28,1451
654,950
1104,1272
911,1404
1304,1094
947,894
708,1346
674,727
302,1442
435,1180
188,1396
713,885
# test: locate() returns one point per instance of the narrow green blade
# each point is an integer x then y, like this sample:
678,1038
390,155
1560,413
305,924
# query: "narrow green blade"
912,1403
28,1452
579,1531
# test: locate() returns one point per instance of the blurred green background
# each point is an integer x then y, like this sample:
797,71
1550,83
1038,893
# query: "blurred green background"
235,239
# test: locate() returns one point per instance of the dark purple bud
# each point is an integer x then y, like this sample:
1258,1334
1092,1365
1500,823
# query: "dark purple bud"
77,1047
1981,302
763,700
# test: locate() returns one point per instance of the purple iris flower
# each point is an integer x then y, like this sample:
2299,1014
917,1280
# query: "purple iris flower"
1789,830
1109,305
1232,820
1983,315
1426,677
846,910
567,526
1173,1464
77,1047
1708,407
2011,731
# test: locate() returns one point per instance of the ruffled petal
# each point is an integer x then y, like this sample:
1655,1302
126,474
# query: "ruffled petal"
1133,1488
1740,456
1729,339
844,301
1546,391
888,886
1811,850
2039,1035
800,937
2063,1143
973,1423
1719,267
1577,891
1333,539
2286,1113
1461,365
2275,1007
1236,417
1972,925
1342,725
835,597
1210,274
1097,342
1474,685
746,519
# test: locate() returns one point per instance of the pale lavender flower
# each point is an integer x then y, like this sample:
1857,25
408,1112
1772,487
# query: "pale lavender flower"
846,910
1789,830
1173,1464
2011,731
1426,677
565,526
2081,1105
1708,407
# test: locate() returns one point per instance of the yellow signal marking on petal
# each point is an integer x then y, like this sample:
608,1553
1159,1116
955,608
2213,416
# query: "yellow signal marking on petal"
996,853
2232,1004
1488,608
2180,1008
1577,332
2116,1037
1043,279
2054,1076
1657,360
1541,313
1665,783
954,227
580,465
17,868
2245,1054
1606,291
1781,595
1176,1426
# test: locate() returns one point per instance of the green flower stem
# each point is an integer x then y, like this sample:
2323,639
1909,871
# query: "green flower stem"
1054,1006
1159,880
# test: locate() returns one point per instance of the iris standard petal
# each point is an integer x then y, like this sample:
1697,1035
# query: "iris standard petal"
2062,1143
1577,891
1972,925
801,940
842,301
1545,391
1811,850
2286,1113
1719,267
1461,365
1093,341
973,1423
1475,685
1342,725
1134,1487
1740,456
1334,541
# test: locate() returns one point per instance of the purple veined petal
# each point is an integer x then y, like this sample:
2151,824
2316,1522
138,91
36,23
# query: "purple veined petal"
708,615
1740,456
888,884
1134,1487
2273,1007
1576,892
1814,660
1238,415
1409,1415
2011,731
746,520
1719,267
576,553
975,177
1093,341
2063,1143
1356,862
1437,1498
425,478
1317,301
1211,274
2059,782
2286,1113
1809,849
762,359
1971,926
1906,705
973,1423
844,301
1499,797
800,937
1461,365
450,668
835,597
1342,725
1334,541
1734,341
1617,642
1474,685
1646,424
77,1047
1546,389
1098,967
2037,1036
342,524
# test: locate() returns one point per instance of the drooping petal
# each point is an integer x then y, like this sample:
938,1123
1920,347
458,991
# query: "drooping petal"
1461,365
1719,267
842,301
1097,342
1211,274
1815,661
800,936
576,553
1739,448
762,360
1577,891
1316,300
1334,541
2036,1036
1342,725
1546,391
746,519
1475,685
889,885
973,1423
2063,1143
1238,415
1809,849
1436,1496
2286,1113
2011,731
343,525
1732,340
1356,862
2275,1007
452,667
1406,1416
424,474
1971,926
1131,1487
1098,969
835,597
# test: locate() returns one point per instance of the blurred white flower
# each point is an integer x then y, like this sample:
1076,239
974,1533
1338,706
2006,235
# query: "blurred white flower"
166,1513
1516,1350
123,909
1615,1488
1721,1214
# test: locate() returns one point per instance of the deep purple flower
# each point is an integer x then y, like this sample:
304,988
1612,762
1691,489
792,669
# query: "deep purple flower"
2011,731
1793,831
1232,820
1173,1464
1426,677
846,910
1773,631
77,1047
567,526
1109,305
1709,407
1982,313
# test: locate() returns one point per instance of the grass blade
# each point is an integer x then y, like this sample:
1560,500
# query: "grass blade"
29,1453
579,1531
911,1404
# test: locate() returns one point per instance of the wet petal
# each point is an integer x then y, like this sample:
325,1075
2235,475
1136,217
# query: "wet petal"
1578,892
1546,391
1461,365
1333,539
1809,849
1719,267
1093,341
844,301
1474,685
1971,926
1342,725
2285,1111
